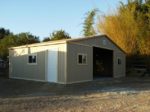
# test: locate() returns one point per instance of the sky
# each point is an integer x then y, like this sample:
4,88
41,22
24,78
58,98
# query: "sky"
42,17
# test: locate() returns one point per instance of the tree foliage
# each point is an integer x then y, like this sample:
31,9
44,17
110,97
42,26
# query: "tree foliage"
27,38
3,33
46,39
129,27
10,40
59,35
5,43
88,28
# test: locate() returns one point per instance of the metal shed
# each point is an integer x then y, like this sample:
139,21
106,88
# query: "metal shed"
68,61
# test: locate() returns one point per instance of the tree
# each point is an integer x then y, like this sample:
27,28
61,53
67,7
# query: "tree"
129,27
88,28
46,39
12,40
5,43
3,33
143,20
121,28
27,38
59,35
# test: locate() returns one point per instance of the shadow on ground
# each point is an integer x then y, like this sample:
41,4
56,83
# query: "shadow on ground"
22,88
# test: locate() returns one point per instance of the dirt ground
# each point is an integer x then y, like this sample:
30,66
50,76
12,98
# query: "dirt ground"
102,95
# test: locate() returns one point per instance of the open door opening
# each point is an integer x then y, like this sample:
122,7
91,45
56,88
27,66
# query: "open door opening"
102,63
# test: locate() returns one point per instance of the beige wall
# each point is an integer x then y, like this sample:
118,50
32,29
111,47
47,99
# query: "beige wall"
19,67
76,72
62,63
119,70
68,69
103,42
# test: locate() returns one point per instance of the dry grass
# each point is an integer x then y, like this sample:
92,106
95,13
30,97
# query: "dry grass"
95,102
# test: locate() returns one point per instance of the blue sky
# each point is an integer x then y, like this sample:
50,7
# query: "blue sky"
41,17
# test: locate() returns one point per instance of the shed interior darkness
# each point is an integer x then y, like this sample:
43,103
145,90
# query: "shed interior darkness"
102,62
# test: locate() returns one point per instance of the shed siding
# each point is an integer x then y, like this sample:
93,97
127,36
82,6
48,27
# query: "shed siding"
62,64
103,42
119,70
69,71
19,68
75,72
